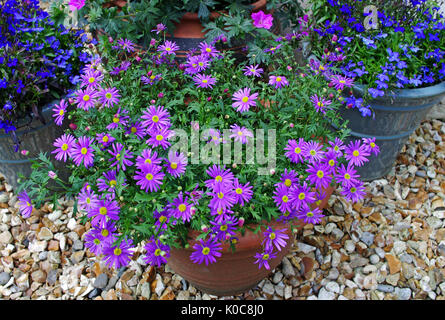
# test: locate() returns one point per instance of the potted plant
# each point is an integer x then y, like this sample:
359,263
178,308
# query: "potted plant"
188,22
393,52
40,62
200,161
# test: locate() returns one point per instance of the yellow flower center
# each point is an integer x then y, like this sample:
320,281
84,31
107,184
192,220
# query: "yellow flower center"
149,177
113,183
313,152
91,79
83,150
118,156
64,147
103,211
116,119
133,129
297,150
158,252
205,81
342,81
372,144
182,207
223,227
287,182
168,49
301,196
173,165
310,214
208,50
105,138
239,190
353,190
278,79
347,176
88,200
86,98
355,153
104,232
205,250
148,161
272,236
155,119
96,242
159,137
61,112
245,99
220,195
218,178
320,174
331,162
266,256
285,199
152,77
162,219
240,133
117,251
108,95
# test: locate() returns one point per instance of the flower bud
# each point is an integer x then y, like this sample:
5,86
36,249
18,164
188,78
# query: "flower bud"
73,126
334,38
272,171
137,58
24,152
161,95
110,39
241,222
234,166
150,72
52,174
179,188
204,228
152,101
152,42
291,125
209,99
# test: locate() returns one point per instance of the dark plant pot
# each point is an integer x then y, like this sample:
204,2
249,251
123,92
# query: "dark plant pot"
35,138
233,273
397,116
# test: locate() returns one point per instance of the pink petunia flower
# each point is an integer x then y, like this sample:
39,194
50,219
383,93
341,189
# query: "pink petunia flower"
262,20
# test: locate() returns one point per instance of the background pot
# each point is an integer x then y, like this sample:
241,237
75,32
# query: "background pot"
233,273
397,116
35,138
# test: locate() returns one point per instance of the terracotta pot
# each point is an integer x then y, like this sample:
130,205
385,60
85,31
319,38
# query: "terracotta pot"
234,272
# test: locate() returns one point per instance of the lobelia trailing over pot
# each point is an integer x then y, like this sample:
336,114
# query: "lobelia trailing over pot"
159,149
40,62
393,52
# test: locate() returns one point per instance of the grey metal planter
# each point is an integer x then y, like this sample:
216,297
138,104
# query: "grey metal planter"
35,138
397,116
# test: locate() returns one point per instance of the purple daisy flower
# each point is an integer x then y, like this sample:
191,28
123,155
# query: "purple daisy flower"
275,238
354,192
106,231
180,208
104,210
308,215
223,197
86,99
295,150
240,134
204,81
157,253
331,161
118,255
319,175
263,259
312,151
59,112
125,44
137,129
340,82
87,199
220,215
301,196
91,79
278,81
109,97
64,146
243,193
320,104
244,100
162,219
147,157
119,154
119,118
337,146
289,178
224,229
94,242
151,79
25,205
372,146
253,70
176,164
109,183
82,151
105,139
169,47
346,175
282,198
206,251
155,118
196,64
213,135
149,177
160,138
219,176
208,49
356,153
